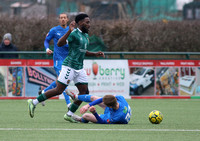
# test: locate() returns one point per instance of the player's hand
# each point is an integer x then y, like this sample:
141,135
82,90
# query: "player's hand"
49,52
84,109
92,109
72,25
100,54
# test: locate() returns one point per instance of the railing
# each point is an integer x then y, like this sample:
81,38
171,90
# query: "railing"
27,54
112,55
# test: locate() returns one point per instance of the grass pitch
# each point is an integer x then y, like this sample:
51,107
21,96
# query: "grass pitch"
181,122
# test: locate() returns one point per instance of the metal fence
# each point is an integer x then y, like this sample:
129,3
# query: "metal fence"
113,55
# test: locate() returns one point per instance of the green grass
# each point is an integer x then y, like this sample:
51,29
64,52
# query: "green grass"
181,122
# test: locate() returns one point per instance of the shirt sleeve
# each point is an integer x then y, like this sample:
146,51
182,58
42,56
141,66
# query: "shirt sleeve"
95,102
48,38
99,119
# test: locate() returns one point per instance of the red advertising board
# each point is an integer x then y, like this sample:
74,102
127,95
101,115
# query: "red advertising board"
168,63
171,78
22,78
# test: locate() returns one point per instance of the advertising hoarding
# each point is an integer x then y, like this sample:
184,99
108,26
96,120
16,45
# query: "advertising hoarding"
24,78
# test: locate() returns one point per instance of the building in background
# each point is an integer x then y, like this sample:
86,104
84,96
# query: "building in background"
191,11
24,8
98,9
29,10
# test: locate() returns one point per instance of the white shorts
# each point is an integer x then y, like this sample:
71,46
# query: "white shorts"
68,74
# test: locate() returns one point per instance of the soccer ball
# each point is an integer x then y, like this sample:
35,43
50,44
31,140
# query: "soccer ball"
155,117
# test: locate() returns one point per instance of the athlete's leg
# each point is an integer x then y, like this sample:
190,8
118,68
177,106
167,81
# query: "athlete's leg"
88,117
60,87
85,98
51,86
90,98
67,99
58,69
81,82
82,90
50,93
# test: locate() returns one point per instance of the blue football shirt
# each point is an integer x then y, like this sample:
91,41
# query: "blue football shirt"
119,116
60,53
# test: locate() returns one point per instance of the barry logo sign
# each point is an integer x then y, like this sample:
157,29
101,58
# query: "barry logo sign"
95,69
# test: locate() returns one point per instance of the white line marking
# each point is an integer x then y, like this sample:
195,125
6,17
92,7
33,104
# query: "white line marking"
63,129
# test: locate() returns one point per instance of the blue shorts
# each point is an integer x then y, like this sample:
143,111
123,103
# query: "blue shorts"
57,66
106,115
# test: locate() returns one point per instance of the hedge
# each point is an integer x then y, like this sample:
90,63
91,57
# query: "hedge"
118,35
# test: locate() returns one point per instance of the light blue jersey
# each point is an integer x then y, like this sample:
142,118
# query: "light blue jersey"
119,116
60,53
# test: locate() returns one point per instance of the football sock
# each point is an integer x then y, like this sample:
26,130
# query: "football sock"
68,105
85,98
84,121
73,108
41,97
35,101
51,86
69,113
66,98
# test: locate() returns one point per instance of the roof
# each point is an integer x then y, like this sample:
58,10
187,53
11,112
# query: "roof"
20,4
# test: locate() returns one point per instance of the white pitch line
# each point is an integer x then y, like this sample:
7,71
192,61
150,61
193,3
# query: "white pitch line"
63,129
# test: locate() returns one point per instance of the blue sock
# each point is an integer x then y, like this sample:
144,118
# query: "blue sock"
51,86
85,98
84,121
67,99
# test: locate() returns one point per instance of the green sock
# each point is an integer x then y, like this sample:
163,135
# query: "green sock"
41,98
73,107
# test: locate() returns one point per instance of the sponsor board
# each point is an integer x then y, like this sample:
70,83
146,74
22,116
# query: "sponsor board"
106,77
24,78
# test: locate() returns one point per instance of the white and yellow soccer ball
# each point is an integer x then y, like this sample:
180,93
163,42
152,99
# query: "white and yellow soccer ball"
155,117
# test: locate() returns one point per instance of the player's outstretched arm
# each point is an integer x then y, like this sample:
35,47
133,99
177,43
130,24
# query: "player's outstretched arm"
46,45
97,54
62,40
86,107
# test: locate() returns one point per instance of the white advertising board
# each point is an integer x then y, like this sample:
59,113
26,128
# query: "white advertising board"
106,77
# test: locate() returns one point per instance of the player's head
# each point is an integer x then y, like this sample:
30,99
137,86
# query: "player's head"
83,22
63,19
110,101
7,38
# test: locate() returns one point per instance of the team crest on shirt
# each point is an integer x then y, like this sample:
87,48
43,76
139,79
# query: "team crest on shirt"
68,81
108,121
125,109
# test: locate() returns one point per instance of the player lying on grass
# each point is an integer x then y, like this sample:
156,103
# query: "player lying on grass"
116,109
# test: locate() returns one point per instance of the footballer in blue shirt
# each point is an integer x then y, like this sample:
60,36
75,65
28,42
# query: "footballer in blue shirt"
116,109
60,53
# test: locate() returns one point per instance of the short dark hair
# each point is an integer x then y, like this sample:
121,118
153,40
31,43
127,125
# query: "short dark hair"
110,100
64,14
80,17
